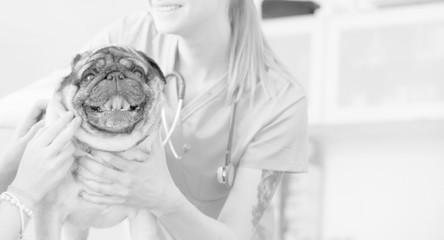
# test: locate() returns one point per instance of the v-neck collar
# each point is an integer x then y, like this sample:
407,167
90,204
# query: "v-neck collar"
202,99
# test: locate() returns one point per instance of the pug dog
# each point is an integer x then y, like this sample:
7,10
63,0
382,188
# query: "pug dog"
116,91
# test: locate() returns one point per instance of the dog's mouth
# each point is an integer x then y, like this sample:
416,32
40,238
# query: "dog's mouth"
116,116
115,109
127,107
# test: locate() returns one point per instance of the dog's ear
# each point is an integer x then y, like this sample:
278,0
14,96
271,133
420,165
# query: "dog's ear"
68,79
75,60
154,65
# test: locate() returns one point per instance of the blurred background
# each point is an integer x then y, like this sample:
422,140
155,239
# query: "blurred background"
374,74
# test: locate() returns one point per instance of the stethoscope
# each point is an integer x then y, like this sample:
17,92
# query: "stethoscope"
225,173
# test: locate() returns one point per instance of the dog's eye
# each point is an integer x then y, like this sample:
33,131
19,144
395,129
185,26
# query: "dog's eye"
138,72
88,77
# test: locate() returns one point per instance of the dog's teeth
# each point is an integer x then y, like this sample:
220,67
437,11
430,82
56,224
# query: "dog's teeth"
117,103
108,106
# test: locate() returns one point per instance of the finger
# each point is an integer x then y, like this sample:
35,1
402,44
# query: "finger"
100,199
52,131
66,153
39,133
100,170
113,160
85,173
32,132
65,136
120,163
65,166
67,163
69,147
63,161
103,188
33,116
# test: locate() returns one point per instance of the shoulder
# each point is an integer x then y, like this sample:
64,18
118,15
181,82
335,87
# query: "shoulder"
273,127
278,93
278,99
281,87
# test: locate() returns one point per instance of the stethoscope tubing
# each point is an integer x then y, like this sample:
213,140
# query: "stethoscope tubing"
173,126
180,83
170,130
230,136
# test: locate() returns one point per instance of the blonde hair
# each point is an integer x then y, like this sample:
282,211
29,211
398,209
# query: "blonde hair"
250,55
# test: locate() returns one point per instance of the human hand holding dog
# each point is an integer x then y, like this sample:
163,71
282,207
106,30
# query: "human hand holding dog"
11,156
47,157
140,183
10,159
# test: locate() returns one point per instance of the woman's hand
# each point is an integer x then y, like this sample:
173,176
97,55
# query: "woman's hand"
25,131
47,157
144,182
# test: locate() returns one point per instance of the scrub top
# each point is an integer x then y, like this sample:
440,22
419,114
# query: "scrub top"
269,133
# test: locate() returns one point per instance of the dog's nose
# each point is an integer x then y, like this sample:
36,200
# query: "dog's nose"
115,76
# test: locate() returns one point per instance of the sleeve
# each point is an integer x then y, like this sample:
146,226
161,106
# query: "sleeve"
281,144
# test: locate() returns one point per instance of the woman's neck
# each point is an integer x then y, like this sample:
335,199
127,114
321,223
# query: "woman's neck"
205,53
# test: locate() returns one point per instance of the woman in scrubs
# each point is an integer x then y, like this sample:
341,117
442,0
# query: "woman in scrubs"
217,46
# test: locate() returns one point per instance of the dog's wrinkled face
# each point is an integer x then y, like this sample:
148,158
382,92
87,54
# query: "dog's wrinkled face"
113,89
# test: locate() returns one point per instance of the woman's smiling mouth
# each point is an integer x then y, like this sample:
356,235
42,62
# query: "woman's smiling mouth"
167,8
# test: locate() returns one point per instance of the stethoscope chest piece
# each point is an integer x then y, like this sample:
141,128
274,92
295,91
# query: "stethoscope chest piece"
225,175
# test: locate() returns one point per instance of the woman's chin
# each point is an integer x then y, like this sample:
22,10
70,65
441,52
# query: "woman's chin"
164,28
167,25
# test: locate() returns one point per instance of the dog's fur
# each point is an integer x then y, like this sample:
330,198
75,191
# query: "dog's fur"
116,91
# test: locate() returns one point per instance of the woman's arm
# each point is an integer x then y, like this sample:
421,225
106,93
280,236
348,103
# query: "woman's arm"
10,158
279,145
249,198
148,185
10,221
44,162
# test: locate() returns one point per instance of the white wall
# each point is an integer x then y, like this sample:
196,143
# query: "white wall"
37,37
383,182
